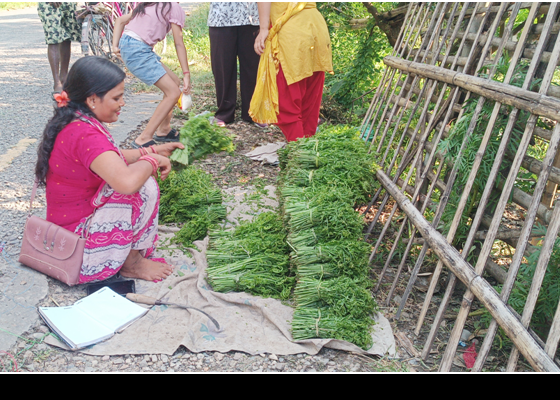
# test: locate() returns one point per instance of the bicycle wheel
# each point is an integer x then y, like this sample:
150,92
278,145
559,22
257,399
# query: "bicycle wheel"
100,37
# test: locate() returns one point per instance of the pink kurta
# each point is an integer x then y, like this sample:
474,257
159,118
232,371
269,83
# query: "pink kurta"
70,183
121,223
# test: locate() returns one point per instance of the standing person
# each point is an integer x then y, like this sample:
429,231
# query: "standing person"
91,183
233,28
148,24
295,51
61,28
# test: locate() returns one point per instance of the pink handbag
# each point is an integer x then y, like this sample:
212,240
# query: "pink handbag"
51,249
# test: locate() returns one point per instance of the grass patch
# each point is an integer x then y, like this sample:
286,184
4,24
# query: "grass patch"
15,5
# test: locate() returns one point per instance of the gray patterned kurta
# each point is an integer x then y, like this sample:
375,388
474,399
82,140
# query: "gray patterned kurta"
233,14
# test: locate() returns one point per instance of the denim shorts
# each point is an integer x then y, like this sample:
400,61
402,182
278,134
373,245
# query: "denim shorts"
140,60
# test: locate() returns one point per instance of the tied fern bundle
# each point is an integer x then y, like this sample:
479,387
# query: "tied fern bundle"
201,138
322,179
310,323
335,258
254,258
189,196
344,296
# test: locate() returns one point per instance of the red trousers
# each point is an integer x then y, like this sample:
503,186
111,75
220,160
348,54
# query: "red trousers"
299,105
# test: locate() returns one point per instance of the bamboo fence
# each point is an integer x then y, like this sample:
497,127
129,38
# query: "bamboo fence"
448,56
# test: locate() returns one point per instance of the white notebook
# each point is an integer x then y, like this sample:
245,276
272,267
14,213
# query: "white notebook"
92,319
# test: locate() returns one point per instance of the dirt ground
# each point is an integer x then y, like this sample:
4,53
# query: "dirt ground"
236,169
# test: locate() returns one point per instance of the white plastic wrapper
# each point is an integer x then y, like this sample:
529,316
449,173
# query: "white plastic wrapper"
186,102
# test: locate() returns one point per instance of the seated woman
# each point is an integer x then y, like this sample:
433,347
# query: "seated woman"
91,184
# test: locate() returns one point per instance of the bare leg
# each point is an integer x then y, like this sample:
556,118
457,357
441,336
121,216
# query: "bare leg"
136,266
53,54
65,50
169,85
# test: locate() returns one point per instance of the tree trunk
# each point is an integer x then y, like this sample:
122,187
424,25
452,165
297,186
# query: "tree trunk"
389,22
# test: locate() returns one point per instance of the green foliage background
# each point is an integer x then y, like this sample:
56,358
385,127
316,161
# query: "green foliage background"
357,54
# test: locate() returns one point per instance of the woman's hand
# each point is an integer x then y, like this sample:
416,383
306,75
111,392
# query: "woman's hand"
164,165
187,84
117,54
167,148
260,41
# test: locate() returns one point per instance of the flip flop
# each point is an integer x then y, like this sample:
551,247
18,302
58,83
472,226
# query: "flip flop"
216,121
172,136
147,144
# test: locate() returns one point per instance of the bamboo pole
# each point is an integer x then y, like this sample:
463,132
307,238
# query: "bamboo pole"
458,326
394,52
424,137
534,354
538,277
427,43
538,190
538,104
442,205
385,110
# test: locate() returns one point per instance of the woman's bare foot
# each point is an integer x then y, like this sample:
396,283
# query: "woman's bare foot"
136,266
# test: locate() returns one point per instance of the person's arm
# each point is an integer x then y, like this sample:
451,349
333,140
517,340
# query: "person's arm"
264,23
182,56
165,150
127,179
120,23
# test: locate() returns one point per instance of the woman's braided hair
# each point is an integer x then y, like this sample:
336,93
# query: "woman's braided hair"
88,76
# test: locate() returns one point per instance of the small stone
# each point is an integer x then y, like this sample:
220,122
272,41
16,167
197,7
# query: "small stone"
218,356
273,357
154,358
105,358
164,358
43,329
238,356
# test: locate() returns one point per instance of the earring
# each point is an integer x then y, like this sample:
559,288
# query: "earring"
93,107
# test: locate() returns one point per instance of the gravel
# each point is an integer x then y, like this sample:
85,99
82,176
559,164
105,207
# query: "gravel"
25,106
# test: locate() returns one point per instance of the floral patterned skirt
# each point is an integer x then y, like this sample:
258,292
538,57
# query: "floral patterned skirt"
122,224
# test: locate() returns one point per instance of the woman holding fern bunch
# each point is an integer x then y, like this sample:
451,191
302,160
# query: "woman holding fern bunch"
91,183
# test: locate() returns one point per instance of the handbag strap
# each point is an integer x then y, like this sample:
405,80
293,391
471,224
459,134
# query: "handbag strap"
33,193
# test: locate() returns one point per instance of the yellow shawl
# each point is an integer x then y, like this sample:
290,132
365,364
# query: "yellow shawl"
264,104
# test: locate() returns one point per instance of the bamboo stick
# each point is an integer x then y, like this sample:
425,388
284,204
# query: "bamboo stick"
534,354
454,173
400,113
385,110
538,104
394,52
538,190
424,137
538,277
415,197
467,298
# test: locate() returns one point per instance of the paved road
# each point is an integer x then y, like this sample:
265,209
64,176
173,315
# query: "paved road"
25,107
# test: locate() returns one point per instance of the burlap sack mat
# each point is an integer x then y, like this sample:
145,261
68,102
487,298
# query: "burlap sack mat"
248,324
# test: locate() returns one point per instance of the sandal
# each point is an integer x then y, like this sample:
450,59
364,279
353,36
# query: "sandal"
216,121
147,144
172,136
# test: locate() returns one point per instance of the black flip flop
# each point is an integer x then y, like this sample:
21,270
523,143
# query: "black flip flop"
147,144
172,136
